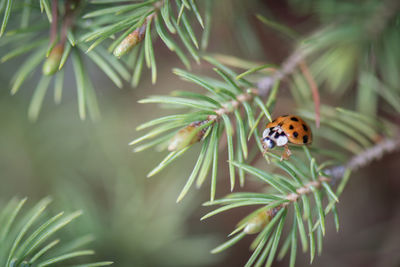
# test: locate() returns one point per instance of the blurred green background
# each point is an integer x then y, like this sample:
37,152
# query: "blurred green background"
135,221
89,165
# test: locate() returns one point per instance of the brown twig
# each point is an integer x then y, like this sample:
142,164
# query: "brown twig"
54,22
232,105
264,85
67,21
369,155
304,190
301,191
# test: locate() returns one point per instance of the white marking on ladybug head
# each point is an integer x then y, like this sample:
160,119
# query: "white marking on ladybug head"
282,140
266,132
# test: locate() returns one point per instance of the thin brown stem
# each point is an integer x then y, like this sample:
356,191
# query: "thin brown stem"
67,21
304,190
142,29
386,146
54,22
232,105
301,191
374,153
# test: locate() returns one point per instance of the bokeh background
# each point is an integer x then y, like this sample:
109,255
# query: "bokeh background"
135,221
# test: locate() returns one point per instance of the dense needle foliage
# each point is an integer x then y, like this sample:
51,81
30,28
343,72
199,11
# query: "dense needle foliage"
340,75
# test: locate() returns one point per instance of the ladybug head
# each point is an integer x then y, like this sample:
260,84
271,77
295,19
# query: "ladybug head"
269,143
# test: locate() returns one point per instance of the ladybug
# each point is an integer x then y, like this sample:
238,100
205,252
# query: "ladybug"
286,129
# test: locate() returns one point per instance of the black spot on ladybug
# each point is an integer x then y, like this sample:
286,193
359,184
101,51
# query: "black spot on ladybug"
294,119
305,127
291,127
276,135
295,134
305,139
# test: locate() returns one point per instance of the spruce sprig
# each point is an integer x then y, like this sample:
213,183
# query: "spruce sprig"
292,193
28,240
210,115
76,30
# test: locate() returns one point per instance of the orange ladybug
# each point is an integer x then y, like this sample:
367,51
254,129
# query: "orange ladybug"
286,129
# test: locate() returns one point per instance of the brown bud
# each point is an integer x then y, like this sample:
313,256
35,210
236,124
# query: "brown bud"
130,41
50,66
187,136
258,222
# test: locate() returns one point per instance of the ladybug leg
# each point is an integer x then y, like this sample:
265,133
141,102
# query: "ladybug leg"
286,154
265,149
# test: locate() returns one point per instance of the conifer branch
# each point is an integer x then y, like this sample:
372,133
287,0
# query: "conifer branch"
24,240
376,152
305,189
230,106
224,119
82,22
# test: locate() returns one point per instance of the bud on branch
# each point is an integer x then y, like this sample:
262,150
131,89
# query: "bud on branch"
50,66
